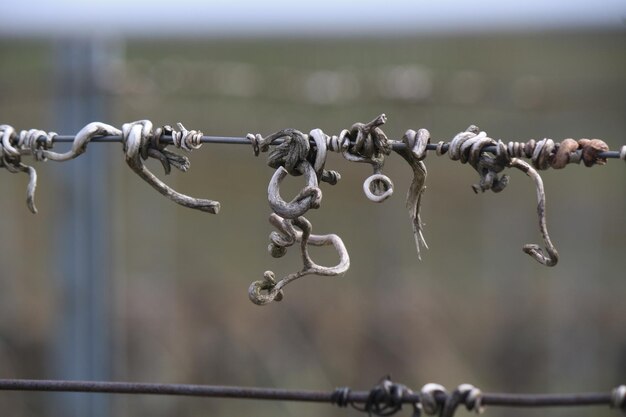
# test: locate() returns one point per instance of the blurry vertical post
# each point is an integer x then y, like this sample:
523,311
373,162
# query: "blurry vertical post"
83,340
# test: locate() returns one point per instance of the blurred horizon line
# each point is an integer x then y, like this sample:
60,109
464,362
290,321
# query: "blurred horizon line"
279,36
324,19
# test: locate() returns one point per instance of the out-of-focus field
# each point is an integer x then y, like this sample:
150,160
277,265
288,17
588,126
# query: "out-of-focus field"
475,309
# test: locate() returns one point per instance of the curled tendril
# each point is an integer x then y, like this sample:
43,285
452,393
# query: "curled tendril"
14,166
136,137
321,150
139,143
11,156
551,257
465,394
370,146
267,290
384,399
309,197
378,187
428,399
468,147
295,156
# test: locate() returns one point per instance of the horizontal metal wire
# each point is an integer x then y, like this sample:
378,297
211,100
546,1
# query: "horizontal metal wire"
231,140
358,397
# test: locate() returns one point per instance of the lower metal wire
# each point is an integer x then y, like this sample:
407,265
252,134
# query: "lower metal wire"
217,391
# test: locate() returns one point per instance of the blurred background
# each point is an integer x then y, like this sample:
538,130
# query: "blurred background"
110,281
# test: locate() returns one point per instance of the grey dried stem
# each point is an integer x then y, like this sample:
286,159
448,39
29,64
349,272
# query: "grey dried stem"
293,156
137,140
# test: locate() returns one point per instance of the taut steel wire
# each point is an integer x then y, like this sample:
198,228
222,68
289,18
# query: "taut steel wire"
235,140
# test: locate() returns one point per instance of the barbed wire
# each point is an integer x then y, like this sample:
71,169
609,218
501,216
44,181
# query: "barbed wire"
384,399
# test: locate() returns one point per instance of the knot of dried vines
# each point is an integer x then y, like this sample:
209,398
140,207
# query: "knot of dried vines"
367,143
465,394
141,143
468,147
11,157
295,155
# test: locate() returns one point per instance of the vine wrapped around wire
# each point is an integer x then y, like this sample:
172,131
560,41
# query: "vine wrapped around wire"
363,143
296,157
295,153
140,143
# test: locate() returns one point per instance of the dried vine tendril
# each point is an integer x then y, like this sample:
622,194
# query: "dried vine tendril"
388,397
298,154
468,147
363,143
369,144
13,145
140,143
414,152
296,157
